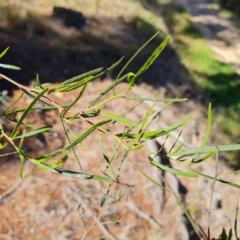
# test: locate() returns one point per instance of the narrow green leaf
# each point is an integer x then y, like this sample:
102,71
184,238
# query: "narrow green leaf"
73,117
4,52
110,68
223,148
78,140
151,59
116,82
44,129
151,121
142,127
172,170
34,96
223,235
85,134
51,166
21,165
44,85
15,134
38,83
9,66
195,159
145,119
157,133
21,155
77,78
201,158
74,102
75,174
118,119
134,56
216,179
88,79
69,141
110,167
32,126
176,140
2,146
83,79
90,115
75,85
172,100
148,177
5,98
27,110
10,105
74,135
41,159
115,152
82,175
230,234
49,107
133,149
178,148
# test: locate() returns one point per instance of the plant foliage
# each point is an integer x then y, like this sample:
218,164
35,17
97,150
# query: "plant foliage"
131,139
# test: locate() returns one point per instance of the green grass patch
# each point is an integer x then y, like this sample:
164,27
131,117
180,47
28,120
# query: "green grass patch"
215,78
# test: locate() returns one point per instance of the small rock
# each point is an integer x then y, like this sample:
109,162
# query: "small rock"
69,17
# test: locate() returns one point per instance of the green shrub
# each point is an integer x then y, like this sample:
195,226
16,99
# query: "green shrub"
131,139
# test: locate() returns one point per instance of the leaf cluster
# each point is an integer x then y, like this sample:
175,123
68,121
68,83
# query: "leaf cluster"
133,137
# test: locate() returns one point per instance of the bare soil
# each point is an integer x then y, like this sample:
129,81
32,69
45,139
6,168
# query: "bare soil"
222,35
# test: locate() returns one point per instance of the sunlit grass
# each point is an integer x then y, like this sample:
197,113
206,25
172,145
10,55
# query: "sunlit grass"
210,74
217,79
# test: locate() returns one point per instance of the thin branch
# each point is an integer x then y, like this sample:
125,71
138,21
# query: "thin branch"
211,197
143,215
236,217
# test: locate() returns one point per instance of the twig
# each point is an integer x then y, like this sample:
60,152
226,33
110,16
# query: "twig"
96,219
236,216
172,134
143,215
7,154
211,197
60,109
195,227
13,187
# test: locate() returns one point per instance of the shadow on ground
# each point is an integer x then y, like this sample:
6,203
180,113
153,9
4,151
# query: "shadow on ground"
220,82
43,46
